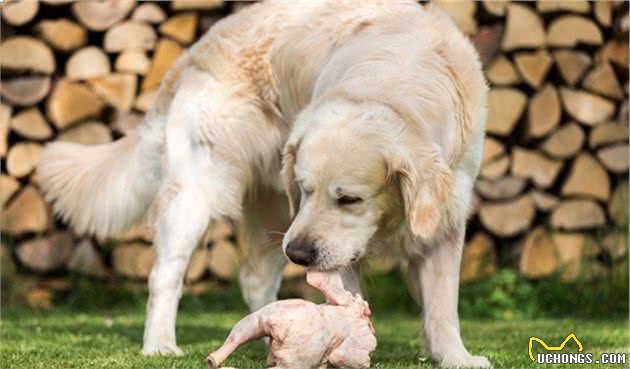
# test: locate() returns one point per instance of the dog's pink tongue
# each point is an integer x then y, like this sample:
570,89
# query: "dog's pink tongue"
331,285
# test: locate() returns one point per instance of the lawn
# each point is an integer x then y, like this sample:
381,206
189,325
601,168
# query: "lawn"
99,325
112,340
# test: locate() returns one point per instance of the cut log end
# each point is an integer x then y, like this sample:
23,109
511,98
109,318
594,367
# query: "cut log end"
544,112
71,102
524,28
89,62
129,35
62,34
505,106
22,159
25,91
506,219
27,212
101,15
19,13
26,53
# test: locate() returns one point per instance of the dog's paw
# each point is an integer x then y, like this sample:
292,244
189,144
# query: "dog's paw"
467,361
162,349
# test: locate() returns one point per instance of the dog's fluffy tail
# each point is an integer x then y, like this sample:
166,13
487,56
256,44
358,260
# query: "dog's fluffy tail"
101,189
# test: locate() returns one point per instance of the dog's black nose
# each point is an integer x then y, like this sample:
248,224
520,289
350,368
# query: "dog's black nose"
302,252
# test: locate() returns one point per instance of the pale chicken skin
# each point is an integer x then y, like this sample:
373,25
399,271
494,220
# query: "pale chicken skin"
304,335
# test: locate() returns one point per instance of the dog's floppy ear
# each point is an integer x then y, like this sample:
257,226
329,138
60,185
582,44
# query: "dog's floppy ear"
288,177
425,187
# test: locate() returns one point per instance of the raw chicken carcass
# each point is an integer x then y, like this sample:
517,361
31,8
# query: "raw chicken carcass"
304,335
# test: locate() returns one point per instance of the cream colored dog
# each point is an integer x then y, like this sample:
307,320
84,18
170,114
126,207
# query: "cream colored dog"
370,115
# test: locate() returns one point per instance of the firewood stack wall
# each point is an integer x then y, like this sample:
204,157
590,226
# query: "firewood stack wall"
553,189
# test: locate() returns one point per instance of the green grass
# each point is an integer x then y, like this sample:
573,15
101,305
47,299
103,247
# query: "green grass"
65,339
99,324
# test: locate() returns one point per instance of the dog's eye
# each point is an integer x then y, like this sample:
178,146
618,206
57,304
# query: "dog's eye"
348,200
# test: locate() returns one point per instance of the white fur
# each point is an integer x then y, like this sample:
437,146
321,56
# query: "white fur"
384,101
101,189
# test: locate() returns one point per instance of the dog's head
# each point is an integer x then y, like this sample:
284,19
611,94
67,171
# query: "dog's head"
351,170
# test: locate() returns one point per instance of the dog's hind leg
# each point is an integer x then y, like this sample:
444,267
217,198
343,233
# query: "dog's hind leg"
265,218
179,227
200,184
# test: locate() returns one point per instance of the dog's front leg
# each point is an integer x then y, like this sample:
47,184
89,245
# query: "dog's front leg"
434,280
265,218
260,276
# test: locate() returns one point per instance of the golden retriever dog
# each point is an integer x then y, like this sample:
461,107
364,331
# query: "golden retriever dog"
370,116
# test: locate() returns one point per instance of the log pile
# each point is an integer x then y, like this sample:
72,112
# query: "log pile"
552,189
556,156
85,72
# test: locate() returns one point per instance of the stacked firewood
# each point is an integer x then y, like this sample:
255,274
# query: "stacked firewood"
552,189
86,72
553,192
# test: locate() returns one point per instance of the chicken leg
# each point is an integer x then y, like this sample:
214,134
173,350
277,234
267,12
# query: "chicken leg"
247,329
